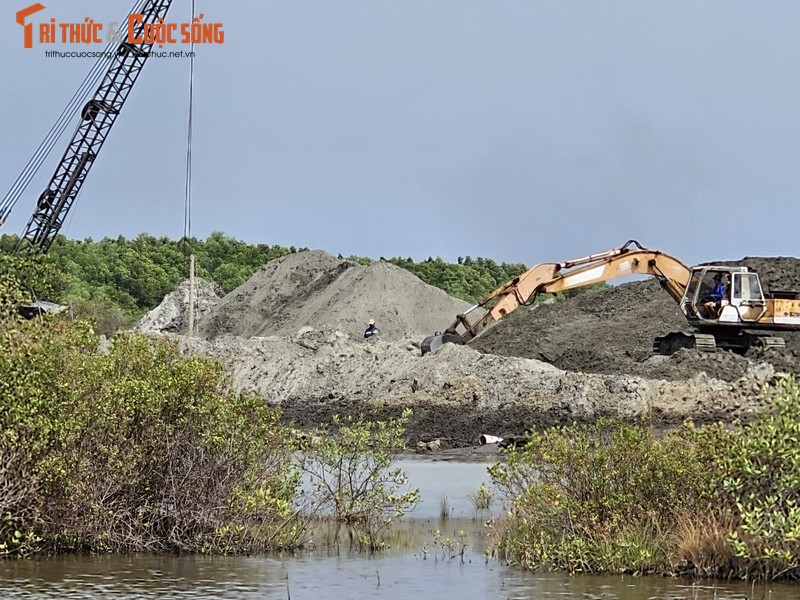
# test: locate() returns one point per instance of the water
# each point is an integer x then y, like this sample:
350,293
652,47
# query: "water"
414,567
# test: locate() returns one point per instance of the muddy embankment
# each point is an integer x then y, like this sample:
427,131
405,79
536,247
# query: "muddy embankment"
293,334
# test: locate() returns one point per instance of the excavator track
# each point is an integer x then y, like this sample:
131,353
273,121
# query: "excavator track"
672,342
761,340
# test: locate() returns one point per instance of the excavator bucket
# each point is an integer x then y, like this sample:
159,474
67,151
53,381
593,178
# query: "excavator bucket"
434,342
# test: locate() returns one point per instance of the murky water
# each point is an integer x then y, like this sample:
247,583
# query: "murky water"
421,563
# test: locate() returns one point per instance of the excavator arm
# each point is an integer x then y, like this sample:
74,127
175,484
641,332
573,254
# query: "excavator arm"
629,259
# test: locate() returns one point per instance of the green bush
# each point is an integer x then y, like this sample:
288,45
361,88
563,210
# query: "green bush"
133,448
26,278
352,478
107,318
760,488
596,497
711,501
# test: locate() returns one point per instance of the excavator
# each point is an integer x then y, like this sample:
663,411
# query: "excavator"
746,317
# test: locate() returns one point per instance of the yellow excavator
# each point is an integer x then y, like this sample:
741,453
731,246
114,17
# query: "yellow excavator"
745,317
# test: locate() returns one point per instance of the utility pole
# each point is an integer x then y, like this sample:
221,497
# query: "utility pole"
191,295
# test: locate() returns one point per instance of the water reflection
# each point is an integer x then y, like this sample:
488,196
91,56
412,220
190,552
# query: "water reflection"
414,566
390,576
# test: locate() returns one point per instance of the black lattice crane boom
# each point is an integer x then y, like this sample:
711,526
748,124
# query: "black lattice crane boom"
96,119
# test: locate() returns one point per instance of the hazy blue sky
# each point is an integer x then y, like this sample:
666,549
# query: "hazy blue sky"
527,131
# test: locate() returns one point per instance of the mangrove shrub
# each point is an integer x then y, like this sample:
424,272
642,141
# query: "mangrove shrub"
132,447
760,488
353,480
594,497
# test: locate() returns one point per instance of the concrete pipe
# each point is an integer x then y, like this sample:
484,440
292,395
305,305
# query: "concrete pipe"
489,439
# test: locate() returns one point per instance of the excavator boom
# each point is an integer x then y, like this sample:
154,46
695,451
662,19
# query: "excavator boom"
629,259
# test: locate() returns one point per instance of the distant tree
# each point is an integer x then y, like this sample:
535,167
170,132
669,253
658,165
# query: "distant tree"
134,275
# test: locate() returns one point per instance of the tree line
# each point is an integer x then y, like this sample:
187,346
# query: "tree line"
134,275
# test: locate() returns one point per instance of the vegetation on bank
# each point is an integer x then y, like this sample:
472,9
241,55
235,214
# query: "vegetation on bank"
131,447
132,276
127,446
613,497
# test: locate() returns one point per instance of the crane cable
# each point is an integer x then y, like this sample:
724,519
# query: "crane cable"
51,139
187,206
86,87
187,203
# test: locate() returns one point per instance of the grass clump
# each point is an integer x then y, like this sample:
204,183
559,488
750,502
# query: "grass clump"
444,507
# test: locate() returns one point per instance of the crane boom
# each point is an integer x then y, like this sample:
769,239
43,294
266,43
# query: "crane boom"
97,117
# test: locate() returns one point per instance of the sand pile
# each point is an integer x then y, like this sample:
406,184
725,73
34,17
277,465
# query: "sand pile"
317,290
172,315
456,393
612,331
293,335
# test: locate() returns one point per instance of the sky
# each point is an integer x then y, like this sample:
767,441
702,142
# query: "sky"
525,131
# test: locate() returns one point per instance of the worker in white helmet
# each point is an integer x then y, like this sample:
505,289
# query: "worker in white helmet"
372,329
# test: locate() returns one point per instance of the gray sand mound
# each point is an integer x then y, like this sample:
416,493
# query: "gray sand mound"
612,331
172,315
292,334
314,289
456,393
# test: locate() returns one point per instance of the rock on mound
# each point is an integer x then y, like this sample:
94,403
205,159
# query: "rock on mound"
172,315
315,289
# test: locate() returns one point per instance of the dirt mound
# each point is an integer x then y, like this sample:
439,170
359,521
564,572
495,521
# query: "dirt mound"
457,393
612,331
314,289
172,315
608,331
780,273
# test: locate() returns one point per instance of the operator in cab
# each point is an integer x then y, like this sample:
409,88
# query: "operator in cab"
713,302
372,330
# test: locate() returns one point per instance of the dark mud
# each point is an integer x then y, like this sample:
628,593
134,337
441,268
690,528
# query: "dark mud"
612,331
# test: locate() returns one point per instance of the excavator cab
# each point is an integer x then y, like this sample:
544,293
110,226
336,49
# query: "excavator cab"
747,302
743,301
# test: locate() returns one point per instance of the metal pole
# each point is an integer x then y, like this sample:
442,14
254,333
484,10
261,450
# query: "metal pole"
191,295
